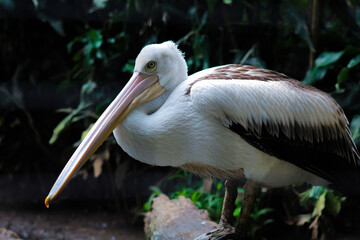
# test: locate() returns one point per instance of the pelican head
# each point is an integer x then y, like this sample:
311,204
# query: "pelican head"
163,60
158,67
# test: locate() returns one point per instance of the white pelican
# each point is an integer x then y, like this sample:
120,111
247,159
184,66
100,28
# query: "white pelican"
230,122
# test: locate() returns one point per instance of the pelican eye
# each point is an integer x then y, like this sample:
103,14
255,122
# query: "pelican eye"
150,66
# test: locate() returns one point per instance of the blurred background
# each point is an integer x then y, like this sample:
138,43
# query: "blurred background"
64,61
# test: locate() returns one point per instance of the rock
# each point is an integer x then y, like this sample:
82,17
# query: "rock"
176,219
6,234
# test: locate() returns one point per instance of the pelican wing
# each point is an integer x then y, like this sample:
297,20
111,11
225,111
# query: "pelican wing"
280,116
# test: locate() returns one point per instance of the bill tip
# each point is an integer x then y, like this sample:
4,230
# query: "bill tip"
47,202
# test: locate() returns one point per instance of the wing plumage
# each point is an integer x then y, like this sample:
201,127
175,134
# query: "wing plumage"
280,116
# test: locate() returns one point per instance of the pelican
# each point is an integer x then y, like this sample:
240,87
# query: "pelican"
232,122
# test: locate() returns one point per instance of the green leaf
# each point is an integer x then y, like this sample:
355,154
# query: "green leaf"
317,191
355,126
95,38
203,20
99,54
69,46
327,58
99,4
304,197
129,66
192,12
319,204
75,40
36,3
333,203
314,192
72,117
343,76
156,192
62,125
227,1
354,61
57,26
111,40
314,75
147,206
248,54
255,61
260,212
237,212
87,88
77,57
85,132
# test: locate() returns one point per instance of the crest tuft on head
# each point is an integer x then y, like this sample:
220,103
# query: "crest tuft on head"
171,44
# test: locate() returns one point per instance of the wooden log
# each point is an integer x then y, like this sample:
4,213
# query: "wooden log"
176,219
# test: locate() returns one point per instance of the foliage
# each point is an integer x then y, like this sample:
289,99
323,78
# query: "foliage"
322,198
189,186
155,192
77,114
258,217
328,60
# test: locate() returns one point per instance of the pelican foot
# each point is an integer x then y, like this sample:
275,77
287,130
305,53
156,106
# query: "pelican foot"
222,233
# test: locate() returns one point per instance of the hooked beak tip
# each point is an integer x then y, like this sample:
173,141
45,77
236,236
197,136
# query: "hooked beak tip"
47,201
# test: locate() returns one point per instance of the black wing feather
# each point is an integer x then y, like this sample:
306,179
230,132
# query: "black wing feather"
321,158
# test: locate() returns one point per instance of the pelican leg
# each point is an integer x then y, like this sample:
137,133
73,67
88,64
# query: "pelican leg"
226,229
246,208
229,203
